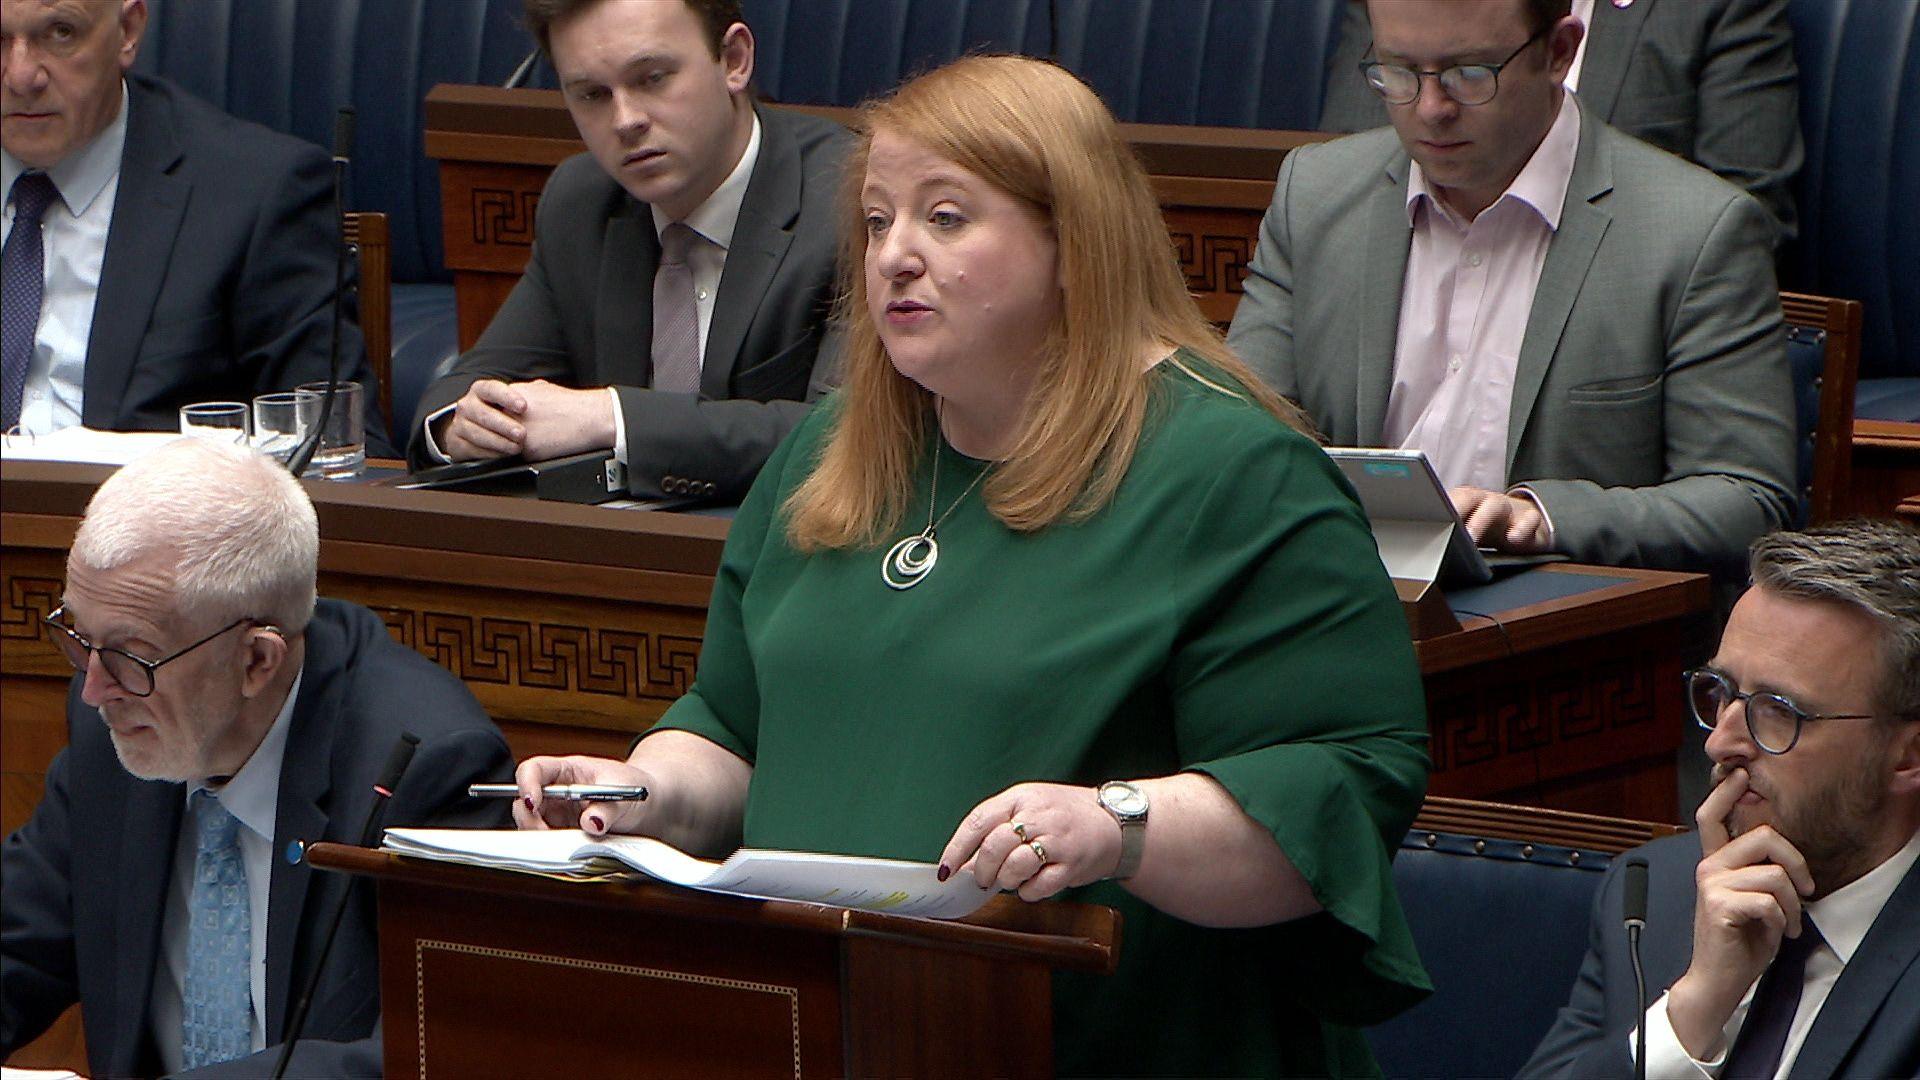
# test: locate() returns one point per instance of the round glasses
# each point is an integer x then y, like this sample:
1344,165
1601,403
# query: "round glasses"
130,672
1466,84
1773,721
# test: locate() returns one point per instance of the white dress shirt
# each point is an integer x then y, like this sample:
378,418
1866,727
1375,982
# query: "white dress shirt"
74,241
252,796
714,220
1464,305
1844,917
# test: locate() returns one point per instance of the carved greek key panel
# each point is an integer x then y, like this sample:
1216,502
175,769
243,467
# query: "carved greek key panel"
502,216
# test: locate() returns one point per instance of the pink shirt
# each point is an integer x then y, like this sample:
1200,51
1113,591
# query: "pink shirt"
1463,313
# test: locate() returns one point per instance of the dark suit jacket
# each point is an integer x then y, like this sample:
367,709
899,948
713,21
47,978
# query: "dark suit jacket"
1869,1026
1652,405
85,879
583,315
218,277
1710,80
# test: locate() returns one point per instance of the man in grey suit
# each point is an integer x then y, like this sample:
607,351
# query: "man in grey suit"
1710,80
1583,333
680,285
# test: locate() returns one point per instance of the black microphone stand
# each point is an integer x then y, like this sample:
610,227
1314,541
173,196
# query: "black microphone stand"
1635,904
397,762
342,152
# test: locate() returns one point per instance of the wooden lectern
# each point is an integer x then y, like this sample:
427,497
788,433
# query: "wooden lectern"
492,973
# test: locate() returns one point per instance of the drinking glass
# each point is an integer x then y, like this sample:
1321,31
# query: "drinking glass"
343,445
280,423
224,421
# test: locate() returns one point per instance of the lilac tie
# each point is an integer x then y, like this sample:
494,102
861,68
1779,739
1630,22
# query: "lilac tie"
22,284
1763,1036
676,321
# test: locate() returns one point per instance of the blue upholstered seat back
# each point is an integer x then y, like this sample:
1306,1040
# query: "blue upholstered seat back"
1501,926
1860,115
1807,356
842,52
1235,63
289,64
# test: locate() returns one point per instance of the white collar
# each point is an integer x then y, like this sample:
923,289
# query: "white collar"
81,176
1542,183
253,795
715,218
1845,915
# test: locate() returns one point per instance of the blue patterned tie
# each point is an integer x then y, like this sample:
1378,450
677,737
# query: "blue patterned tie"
22,282
216,1012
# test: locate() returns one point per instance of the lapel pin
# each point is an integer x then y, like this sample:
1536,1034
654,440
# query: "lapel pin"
1622,3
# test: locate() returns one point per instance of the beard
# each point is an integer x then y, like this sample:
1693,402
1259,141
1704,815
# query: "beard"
166,751
1833,824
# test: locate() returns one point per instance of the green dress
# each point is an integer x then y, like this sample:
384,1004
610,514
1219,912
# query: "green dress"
1224,613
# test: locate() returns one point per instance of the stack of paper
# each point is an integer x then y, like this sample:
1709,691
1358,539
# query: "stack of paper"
890,885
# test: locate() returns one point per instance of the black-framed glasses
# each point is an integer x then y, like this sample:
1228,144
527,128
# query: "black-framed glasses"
132,673
1773,721
1466,84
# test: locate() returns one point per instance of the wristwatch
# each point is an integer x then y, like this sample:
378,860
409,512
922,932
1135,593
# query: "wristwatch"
1128,805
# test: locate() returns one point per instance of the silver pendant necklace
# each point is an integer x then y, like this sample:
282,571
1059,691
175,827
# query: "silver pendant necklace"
912,559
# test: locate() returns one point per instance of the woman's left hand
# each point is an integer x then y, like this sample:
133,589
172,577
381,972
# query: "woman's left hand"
1036,838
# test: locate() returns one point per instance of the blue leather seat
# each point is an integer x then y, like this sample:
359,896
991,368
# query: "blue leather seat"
1231,63
1501,926
1859,113
289,64
842,52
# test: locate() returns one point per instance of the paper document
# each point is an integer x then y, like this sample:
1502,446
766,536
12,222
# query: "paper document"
85,445
894,886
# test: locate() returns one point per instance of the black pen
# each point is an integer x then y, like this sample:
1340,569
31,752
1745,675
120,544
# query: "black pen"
566,792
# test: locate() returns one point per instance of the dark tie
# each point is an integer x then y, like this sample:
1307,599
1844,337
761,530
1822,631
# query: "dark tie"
21,285
676,321
1763,1037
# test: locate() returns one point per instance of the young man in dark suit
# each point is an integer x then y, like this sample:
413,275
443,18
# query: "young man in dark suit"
220,718
1783,937
158,252
675,304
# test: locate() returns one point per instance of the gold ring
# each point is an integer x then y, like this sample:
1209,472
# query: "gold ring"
1038,851
1020,830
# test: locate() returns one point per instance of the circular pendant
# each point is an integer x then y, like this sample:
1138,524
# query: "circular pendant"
910,560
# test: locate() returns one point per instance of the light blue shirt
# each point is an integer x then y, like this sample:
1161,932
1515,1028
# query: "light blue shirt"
253,796
74,239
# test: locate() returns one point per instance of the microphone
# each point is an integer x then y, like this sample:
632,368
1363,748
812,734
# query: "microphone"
342,153
1633,908
520,74
397,762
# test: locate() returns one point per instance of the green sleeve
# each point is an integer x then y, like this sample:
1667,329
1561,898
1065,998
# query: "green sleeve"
723,704
1298,691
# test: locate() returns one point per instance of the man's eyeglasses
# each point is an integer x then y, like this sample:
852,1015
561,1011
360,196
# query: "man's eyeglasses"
133,674
1773,721
1466,84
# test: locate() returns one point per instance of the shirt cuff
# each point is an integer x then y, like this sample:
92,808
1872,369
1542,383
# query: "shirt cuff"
1524,492
619,427
426,430
1666,1058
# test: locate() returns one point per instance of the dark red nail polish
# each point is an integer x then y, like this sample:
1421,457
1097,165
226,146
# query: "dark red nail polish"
528,799
943,873
599,824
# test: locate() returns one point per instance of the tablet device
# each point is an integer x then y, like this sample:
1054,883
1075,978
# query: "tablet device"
1421,536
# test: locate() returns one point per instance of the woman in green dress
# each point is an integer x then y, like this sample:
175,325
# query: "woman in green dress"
1054,593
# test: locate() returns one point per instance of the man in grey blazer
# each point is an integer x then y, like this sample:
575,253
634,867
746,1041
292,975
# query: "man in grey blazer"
1710,80
594,349
1594,349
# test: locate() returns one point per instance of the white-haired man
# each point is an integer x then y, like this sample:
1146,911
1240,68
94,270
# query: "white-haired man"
220,715
1783,938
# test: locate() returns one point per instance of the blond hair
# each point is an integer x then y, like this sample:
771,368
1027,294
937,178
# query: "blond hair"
1038,133
241,532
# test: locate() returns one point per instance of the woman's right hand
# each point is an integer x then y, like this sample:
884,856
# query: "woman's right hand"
532,810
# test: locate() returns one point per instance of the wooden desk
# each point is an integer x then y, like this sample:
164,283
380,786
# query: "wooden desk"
496,148
1886,466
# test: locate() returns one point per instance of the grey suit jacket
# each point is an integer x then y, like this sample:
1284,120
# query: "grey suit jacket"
1867,1028
1710,80
217,282
1652,410
583,315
